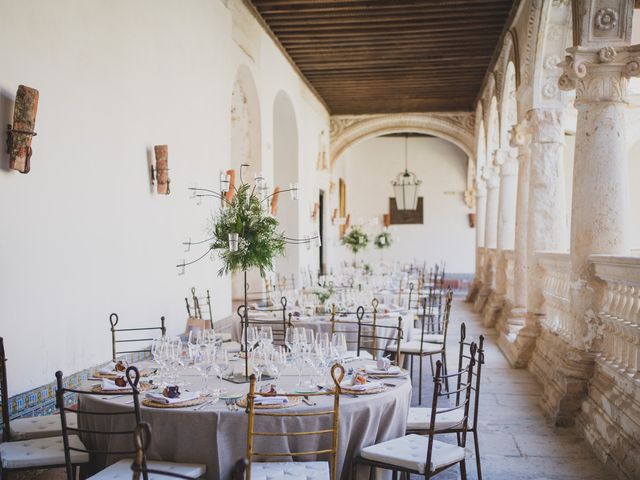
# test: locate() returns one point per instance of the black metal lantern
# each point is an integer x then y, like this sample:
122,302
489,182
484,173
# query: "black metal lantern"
406,186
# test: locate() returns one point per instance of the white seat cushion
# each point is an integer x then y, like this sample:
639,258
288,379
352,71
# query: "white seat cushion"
122,470
428,337
40,427
413,346
420,419
232,347
290,470
410,452
40,452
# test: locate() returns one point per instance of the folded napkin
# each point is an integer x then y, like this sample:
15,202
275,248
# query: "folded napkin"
108,368
184,397
374,370
110,385
260,400
361,387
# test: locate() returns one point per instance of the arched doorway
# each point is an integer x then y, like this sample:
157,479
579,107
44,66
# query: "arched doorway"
285,165
246,149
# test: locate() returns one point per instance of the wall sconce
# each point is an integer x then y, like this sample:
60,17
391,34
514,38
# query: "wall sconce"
274,201
19,135
314,212
386,220
334,216
347,222
232,184
160,174
472,220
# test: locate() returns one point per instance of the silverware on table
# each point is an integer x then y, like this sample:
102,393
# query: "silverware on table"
200,407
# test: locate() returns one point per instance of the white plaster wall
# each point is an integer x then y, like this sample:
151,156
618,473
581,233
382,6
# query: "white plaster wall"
83,235
445,235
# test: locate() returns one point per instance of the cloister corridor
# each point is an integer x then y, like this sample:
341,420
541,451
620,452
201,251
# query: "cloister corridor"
517,442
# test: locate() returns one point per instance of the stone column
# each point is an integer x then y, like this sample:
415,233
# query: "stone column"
514,316
507,165
490,176
598,67
481,203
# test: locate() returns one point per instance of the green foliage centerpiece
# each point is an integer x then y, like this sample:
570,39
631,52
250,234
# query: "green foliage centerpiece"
245,236
356,240
382,240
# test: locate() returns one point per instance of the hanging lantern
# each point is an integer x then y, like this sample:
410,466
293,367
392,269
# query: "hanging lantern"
406,186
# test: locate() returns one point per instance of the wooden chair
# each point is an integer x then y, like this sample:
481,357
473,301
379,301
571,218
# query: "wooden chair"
419,420
29,443
121,468
116,339
398,455
320,469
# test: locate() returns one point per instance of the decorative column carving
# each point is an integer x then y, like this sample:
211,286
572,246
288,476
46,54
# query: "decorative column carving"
517,348
492,180
507,165
598,67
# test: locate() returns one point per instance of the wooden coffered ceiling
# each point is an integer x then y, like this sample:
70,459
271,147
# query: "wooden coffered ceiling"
389,56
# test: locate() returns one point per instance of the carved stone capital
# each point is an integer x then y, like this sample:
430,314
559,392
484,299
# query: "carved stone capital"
520,135
600,75
602,22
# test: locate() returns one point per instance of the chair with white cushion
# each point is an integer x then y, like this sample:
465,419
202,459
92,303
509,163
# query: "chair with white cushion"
419,419
29,452
28,428
423,454
374,338
160,470
264,444
420,347
122,468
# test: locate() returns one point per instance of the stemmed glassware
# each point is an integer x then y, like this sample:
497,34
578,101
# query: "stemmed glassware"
278,361
339,345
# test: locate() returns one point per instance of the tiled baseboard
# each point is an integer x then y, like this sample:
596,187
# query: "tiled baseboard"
42,400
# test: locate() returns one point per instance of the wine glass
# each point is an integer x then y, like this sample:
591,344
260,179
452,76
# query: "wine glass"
260,361
339,345
278,361
266,337
223,366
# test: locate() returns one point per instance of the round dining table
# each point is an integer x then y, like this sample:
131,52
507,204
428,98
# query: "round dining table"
215,434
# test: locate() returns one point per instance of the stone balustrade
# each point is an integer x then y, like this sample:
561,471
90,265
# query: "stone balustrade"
555,290
620,312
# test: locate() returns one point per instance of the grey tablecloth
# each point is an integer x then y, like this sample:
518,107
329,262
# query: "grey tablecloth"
217,437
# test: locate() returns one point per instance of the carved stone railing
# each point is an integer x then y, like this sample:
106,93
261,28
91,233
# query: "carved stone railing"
509,265
555,289
620,313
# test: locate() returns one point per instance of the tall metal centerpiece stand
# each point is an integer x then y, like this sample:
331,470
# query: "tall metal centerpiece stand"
242,244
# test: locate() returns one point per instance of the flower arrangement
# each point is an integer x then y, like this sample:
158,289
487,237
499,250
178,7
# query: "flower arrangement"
382,240
258,242
322,293
355,240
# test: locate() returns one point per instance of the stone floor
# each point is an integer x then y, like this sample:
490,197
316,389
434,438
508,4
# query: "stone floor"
516,440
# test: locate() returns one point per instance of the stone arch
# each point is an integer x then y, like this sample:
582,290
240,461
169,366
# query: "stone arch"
246,148
508,104
493,129
286,171
348,131
552,40
458,128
